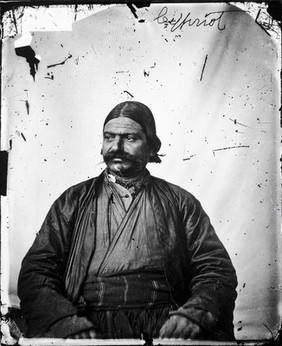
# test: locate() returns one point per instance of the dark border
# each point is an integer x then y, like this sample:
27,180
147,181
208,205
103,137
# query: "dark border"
275,11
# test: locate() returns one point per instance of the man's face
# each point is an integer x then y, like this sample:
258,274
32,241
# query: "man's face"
125,149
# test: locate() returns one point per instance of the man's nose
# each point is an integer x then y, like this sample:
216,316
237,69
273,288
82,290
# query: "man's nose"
117,144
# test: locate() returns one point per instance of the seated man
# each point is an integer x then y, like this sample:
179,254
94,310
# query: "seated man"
127,254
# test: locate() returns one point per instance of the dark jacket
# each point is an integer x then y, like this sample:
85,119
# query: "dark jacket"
198,270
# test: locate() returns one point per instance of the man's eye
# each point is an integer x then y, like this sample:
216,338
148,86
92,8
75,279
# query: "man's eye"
130,138
108,137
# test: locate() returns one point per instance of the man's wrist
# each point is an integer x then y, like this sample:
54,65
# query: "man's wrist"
204,319
69,326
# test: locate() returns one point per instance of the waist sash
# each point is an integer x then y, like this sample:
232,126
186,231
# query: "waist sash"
128,291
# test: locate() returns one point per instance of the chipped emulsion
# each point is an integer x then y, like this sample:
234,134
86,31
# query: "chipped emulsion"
23,48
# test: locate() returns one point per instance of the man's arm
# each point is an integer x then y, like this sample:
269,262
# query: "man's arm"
41,287
208,313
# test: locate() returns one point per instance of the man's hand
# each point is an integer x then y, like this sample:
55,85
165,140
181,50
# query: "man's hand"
86,334
179,327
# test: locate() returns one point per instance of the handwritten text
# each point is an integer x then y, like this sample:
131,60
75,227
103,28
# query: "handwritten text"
175,23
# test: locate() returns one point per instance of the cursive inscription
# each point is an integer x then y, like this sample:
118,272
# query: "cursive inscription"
209,19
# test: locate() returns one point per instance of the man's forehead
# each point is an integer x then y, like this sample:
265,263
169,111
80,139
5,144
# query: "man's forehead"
122,125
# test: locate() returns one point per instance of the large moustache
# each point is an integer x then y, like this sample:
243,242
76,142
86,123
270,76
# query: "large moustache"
119,155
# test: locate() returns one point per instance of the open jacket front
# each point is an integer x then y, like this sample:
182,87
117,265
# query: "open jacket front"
197,268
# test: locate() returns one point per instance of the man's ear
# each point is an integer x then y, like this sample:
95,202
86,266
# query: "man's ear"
151,153
153,156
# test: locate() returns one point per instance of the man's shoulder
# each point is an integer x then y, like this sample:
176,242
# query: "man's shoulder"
80,189
85,184
177,195
174,189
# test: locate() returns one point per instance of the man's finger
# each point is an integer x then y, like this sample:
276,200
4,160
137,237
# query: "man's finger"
168,328
92,334
183,329
89,334
178,327
196,332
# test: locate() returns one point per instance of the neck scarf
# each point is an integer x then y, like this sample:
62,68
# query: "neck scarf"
133,185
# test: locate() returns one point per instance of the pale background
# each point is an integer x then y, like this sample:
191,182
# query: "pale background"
230,103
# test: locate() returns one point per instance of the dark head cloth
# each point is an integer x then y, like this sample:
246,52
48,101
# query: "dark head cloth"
140,113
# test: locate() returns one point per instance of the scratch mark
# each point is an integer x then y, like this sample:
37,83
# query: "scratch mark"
204,66
22,13
257,15
60,63
227,148
154,65
55,23
23,136
75,12
27,106
259,24
15,21
268,329
132,9
237,122
93,49
188,158
264,29
122,71
125,91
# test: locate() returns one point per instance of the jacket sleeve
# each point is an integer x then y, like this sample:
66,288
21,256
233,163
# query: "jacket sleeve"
213,281
41,278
